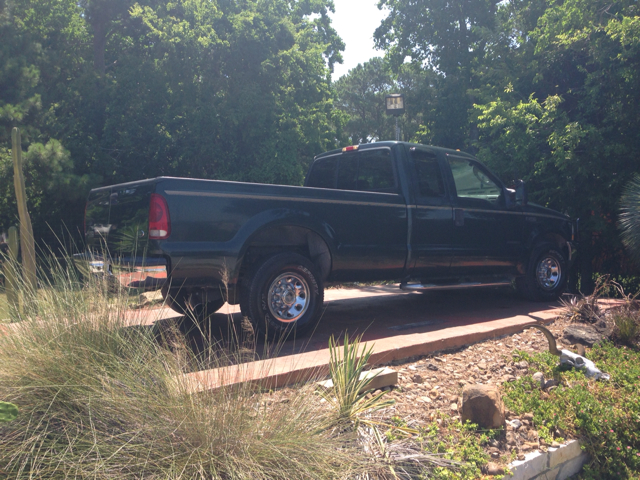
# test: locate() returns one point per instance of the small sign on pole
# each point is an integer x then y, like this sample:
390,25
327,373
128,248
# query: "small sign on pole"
394,105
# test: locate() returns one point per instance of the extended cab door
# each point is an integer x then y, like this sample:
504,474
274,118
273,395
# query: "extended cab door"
431,215
487,236
365,212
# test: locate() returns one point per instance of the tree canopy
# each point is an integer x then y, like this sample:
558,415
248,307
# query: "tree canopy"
109,91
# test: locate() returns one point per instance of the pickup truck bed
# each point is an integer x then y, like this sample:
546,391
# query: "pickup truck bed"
426,216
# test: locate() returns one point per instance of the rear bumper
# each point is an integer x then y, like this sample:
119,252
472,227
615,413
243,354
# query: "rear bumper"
130,272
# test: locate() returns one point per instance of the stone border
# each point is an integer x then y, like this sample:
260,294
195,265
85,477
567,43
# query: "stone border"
555,464
314,365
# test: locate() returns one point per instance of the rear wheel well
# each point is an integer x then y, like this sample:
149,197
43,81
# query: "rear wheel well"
287,238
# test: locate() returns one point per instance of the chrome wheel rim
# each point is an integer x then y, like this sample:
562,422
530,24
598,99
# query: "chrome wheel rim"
548,273
288,297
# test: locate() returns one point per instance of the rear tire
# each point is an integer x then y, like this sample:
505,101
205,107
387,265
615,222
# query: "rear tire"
178,301
546,276
285,294
175,298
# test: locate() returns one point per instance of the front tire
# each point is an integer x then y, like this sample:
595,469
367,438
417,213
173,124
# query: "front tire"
285,294
546,276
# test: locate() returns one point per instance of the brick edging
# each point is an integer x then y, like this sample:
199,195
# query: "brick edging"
555,464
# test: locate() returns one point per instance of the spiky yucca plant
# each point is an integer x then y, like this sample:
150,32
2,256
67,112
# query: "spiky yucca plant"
629,221
348,395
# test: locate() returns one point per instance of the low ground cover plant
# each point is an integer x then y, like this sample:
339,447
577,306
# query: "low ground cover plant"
604,415
8,412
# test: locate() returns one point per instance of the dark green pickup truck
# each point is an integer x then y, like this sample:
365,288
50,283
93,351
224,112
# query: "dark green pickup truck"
428,217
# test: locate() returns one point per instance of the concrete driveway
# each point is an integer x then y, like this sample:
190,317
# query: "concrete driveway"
385,315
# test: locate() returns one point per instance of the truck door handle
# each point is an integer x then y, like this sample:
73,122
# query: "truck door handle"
458,214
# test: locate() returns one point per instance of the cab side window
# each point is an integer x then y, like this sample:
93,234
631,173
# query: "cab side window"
472,181
430,182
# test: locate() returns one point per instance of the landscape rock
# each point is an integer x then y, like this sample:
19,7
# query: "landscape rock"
431,366
482,405
584,334
522,364
417,378
516,424
494,469
550,383
539,378
150,298
602,327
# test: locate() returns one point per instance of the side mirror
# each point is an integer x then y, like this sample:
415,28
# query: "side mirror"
521,193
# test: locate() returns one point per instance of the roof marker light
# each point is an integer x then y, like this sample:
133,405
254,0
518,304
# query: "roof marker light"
352,148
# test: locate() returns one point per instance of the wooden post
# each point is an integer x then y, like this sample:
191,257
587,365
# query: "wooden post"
27,242
11,272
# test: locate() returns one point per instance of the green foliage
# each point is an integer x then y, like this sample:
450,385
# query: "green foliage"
361,99
605,415
543,91
460,443
8,412
348,395
115,91
448,40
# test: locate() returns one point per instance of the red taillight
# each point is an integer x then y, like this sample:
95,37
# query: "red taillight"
159,221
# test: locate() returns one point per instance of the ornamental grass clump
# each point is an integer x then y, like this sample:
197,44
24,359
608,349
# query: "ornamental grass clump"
103,399
626,326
